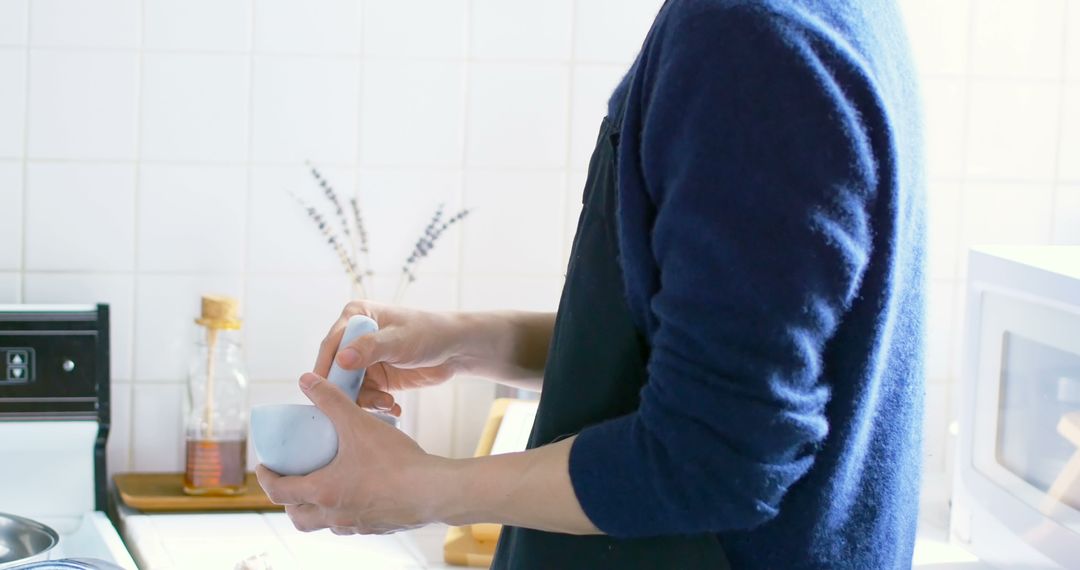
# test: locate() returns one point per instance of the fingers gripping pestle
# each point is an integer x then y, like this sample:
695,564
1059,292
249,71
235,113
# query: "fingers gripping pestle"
349,381
293,439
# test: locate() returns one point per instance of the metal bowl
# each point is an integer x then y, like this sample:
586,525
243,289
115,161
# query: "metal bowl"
24,540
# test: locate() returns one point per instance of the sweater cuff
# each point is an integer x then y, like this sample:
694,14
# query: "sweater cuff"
609,480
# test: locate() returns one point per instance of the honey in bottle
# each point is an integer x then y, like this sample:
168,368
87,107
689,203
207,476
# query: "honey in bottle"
216,418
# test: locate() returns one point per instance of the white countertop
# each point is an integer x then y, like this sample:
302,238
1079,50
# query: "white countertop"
210,541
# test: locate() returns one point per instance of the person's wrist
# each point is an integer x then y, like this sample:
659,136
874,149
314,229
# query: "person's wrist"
470,335
445,491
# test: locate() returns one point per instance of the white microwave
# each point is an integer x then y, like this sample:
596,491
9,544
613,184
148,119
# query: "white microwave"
1016,492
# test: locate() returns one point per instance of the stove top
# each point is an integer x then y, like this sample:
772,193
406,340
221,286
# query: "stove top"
93,537
54,423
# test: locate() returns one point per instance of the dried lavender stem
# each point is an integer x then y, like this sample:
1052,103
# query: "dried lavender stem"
361,235
332,197
332,239
424,246
356,235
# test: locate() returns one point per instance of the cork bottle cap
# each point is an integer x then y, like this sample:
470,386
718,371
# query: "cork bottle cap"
220,312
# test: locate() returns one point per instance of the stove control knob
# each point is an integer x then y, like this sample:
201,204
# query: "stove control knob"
68,366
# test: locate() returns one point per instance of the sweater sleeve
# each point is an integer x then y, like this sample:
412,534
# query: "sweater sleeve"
762,177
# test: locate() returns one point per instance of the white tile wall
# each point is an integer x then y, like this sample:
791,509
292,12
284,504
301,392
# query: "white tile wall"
1069,149
435,292
83,104
11,190
939,33
402,124
191,218
1072,41
313,26
940,312
1018,39
472,404
393,30
935,427
10,287
521,216
522,30
497,292
945,103
518,115
435,421
160,141
12,101
612,31
305,109
944,228
1012,130
13,21
74,23
1008,213
1067,215
80,216
214,25
195,107
157,422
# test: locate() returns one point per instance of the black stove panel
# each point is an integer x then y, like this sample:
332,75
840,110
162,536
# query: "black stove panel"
54,366
48,364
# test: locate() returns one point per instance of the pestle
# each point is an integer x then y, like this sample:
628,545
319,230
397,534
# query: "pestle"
349,381
296,439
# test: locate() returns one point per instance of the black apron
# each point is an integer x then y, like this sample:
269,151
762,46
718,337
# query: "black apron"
595,370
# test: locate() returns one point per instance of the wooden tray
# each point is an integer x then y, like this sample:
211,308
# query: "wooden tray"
164,493
462,549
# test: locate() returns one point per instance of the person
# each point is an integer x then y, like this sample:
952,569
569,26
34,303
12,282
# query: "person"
734,376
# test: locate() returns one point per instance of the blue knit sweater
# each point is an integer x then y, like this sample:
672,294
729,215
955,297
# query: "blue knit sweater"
771,229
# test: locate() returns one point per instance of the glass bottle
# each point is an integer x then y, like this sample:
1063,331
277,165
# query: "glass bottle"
216,419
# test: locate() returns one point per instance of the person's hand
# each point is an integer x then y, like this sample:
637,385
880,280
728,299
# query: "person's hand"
412,349
380,482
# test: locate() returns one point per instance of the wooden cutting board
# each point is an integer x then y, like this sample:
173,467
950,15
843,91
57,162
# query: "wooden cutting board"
164,493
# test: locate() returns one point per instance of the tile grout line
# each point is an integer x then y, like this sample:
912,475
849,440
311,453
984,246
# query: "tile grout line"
375,167
23,253
524,61
358,140
249,182
449,169
136,225
467,63
1063,71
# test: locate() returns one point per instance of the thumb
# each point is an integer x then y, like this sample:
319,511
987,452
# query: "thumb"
327,397
379,346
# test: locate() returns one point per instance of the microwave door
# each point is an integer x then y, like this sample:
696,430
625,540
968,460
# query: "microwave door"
1027,436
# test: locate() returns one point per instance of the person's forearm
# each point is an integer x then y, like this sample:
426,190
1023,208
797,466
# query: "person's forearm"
507,346
531,489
